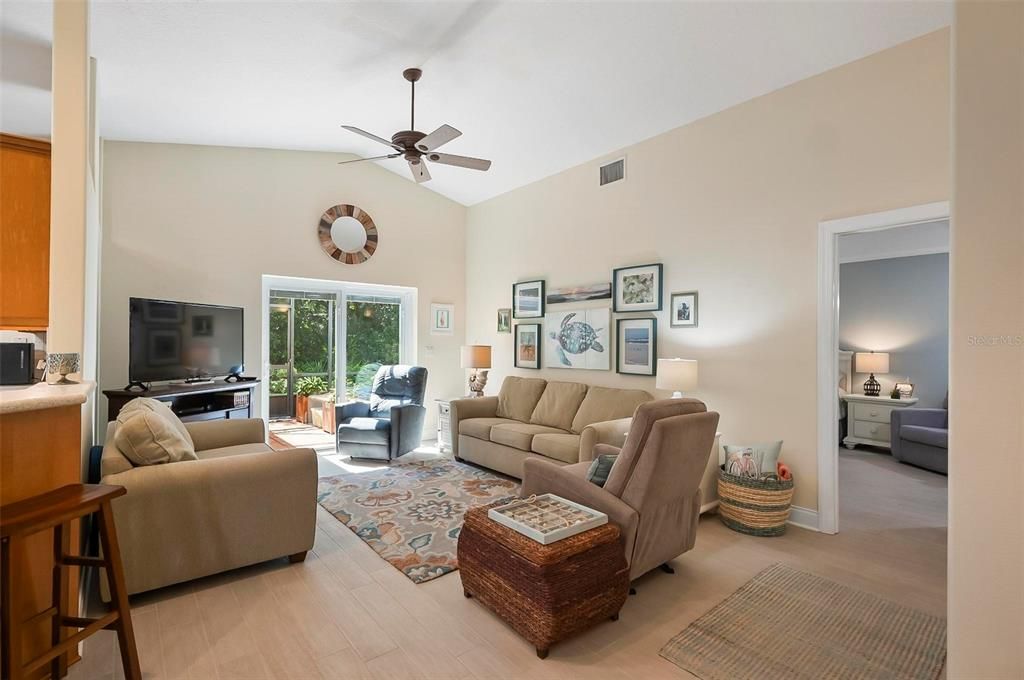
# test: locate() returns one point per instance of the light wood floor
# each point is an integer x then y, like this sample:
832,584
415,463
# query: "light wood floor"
345,613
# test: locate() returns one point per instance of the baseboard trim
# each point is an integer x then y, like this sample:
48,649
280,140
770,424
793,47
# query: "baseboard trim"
805,518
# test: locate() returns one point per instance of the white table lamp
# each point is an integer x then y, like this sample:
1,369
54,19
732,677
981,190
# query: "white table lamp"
871,363
478,358
678,375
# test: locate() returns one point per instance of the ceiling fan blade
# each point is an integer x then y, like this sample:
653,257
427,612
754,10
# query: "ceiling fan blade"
419,171
460,161
437,138
370,135
374,158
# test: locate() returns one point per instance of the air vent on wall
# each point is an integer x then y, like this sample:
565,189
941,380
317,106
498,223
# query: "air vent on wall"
613,172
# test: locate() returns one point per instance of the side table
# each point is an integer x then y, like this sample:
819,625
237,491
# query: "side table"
547,593
867,419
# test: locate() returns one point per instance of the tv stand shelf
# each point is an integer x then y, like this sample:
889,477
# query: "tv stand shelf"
191,402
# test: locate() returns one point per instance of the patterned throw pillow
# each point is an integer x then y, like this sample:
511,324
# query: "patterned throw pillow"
600,468
752,461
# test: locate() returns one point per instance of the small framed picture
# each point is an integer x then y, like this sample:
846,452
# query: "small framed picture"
636,351
528,300
442,319
527,345
637,289
906,390
683,310
505,320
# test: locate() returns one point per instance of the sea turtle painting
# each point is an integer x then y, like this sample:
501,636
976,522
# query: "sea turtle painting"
575,337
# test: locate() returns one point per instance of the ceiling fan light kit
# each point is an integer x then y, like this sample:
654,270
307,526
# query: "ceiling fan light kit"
416,146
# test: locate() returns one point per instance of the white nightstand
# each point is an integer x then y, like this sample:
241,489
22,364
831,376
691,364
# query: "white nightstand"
444,424
867,419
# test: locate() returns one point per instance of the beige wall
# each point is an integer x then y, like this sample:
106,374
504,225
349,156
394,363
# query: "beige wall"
203,224
731,204
986,538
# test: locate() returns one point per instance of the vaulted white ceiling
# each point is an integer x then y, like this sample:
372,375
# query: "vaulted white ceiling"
535,86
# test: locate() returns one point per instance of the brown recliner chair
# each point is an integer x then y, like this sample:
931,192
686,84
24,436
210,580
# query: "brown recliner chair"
653,489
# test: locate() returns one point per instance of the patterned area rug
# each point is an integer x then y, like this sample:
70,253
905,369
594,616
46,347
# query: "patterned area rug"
411,514
790,624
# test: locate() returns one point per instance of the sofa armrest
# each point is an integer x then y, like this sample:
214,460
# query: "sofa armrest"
406,428
472,407
540,476
350,409
193,518
216,434
927,417
612,432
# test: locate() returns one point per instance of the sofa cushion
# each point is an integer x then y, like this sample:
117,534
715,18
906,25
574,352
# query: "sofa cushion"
480,428
518,397
563,447
932,436
147,438
236,450
161,409
558,404
607,403
365,431
520,435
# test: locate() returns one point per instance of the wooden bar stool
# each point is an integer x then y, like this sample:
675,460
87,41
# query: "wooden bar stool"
56,510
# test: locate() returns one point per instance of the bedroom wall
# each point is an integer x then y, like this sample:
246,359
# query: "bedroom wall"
731,205
901,306
204,223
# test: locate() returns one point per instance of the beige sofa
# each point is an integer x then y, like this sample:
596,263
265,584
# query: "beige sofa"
532,418
240,503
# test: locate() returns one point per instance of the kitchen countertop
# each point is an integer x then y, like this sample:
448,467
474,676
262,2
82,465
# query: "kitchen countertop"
19,398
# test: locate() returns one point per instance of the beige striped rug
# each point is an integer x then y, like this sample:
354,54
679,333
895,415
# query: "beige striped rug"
786,623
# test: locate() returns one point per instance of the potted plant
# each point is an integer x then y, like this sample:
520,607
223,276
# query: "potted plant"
311,384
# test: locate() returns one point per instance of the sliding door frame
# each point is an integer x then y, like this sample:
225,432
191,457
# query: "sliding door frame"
341,290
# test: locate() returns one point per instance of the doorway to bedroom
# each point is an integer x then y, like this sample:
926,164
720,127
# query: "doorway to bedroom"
883,379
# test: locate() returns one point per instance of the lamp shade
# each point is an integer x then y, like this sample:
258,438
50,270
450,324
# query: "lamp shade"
872,362
476,356
678,375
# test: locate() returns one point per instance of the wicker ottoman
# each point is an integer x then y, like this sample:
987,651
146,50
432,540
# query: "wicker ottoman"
547,593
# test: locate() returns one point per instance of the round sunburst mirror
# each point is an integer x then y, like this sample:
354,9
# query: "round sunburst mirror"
348,234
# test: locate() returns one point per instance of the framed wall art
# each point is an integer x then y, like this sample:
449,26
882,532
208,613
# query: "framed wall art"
683,310
505,320
442,319
598,291
528,300
527,345
578,339
636,346
637,289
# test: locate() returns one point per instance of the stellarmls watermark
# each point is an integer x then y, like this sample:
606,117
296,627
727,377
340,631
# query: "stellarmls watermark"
995,340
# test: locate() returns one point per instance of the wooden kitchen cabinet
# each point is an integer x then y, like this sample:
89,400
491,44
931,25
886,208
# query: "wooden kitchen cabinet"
24,233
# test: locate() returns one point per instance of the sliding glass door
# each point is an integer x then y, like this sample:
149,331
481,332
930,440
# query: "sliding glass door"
312,349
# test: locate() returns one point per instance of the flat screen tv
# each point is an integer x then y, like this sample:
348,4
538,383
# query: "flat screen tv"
182,340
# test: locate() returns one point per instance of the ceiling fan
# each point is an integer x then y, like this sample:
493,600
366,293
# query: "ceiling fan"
416,146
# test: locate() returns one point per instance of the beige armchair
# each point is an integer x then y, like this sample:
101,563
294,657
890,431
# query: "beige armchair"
653,490
240,503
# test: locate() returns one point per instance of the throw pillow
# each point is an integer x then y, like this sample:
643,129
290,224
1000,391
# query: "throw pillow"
600,468
161,409
752,461
146,438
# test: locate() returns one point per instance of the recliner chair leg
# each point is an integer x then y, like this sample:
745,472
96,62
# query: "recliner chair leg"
632,591
667,568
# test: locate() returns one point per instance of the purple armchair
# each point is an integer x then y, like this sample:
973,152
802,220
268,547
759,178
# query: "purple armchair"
920,436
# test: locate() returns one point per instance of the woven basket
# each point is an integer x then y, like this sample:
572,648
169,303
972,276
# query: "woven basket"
759,507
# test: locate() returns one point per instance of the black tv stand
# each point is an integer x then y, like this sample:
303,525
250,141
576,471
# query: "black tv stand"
203,401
